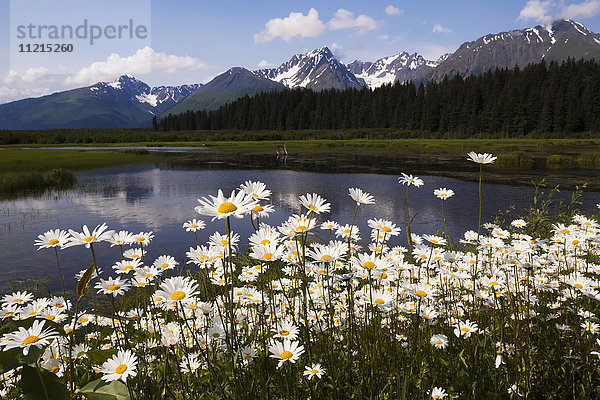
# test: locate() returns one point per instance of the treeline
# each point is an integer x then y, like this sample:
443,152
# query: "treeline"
541,100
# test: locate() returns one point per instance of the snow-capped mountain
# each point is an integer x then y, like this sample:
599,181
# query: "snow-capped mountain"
125,102
558,41
400,67
154,99
317,69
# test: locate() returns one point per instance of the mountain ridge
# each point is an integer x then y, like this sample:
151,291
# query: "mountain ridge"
129,102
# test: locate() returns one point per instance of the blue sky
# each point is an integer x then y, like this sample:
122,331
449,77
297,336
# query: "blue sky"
192,41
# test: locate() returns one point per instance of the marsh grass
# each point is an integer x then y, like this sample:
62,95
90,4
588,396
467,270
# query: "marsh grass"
559,161
43,160
13,184
515,159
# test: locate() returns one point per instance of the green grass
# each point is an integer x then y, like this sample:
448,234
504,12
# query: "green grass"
13,184
20,160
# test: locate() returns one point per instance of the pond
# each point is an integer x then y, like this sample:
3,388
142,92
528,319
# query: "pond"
161,198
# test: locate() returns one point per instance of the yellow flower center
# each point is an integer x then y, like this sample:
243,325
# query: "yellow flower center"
326,257
302,228
30,339
52,242
128,267
265,242
386,229
194,226
286,355
439,342
84,320
578,285
121,368
369,264
268,256
493,283
178,295
379,301
314,371
227,207
112,287
421,293
464,329
147,275
383,275
90,239
165,265
141,239
55,369
258,209
17,300
284,332
224,242
312,207
50,317
32,313
60,305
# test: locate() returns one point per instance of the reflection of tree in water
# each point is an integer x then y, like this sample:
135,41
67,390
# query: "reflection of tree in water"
134,194
130,193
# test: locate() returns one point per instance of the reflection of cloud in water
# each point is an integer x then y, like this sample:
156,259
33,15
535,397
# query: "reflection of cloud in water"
153,210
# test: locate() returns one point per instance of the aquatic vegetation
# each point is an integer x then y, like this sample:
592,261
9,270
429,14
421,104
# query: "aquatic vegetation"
13,184
310,309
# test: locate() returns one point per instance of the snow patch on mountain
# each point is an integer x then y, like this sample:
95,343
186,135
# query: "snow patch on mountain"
399,67
149,98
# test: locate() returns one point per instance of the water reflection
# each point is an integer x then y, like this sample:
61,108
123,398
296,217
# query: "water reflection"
161,199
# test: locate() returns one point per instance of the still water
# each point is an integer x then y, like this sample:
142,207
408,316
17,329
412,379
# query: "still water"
160,199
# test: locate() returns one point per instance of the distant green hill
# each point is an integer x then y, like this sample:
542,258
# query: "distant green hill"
225,88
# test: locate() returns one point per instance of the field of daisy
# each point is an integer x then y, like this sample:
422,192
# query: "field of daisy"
310,309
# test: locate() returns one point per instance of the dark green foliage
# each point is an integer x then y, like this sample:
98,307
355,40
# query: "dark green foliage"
540,100
14,184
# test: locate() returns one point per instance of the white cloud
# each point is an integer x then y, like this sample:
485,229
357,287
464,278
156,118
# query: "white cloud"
144,61
264,64
344,19
32,75
391,10
8,94
438,28
544,12
432,51
337,50
537,10
383,37
585,9
34,82
296,24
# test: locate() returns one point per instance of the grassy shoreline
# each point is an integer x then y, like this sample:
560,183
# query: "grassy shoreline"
568,162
